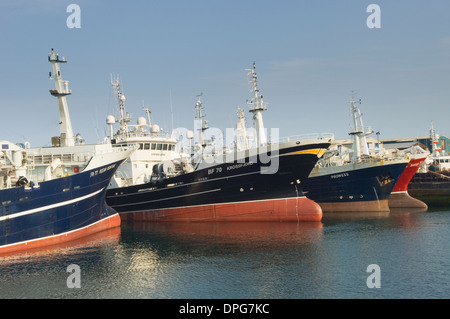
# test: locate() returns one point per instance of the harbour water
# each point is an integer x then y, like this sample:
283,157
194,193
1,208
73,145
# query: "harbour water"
328,259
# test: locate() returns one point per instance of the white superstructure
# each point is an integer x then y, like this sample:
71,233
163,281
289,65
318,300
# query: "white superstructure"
156,153
437,161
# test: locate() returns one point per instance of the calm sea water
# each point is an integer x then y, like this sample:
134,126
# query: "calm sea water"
328,259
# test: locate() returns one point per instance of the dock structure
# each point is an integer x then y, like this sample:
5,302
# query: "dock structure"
432,188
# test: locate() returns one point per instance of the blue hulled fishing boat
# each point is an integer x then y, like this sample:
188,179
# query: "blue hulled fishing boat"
50,195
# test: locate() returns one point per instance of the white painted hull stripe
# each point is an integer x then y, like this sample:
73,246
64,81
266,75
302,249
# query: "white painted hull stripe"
400,192
36,210
158,200
144,190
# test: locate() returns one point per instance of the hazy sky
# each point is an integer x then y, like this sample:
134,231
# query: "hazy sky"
310,56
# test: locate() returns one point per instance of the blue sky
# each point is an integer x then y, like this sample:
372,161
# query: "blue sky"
310,56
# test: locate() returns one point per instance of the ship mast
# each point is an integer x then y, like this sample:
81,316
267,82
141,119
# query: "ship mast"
257,106
65,127
434,141
241,140
363,140
356,132
124,116
148,112
203,126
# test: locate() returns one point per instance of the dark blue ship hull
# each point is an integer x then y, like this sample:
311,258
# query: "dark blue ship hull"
57,211
361,189
231,191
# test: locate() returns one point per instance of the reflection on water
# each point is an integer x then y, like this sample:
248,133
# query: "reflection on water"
412,210
211,260
351,215
237,236
42,272
394,215
107,238
327,259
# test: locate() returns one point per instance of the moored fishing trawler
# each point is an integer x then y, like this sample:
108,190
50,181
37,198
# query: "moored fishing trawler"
51,195
400,197
254,179
354,180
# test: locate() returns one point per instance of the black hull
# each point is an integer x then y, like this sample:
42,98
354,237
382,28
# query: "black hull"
227,183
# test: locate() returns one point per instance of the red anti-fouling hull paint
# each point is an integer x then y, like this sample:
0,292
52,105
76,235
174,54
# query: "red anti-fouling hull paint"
106,223
284,209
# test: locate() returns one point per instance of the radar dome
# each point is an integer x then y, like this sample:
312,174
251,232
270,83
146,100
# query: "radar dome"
122,98
155,128
110,120
190,134
141,121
